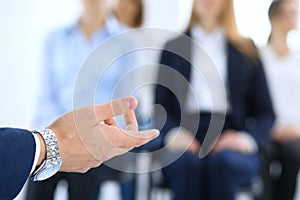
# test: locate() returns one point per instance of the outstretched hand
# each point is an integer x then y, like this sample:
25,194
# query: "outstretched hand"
89,136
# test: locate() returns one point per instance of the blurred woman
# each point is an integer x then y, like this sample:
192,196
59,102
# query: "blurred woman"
235,158
283,74
66,49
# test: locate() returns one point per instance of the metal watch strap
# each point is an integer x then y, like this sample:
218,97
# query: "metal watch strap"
51,144
53,161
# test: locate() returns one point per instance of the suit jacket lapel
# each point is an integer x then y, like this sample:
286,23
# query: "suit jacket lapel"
230,73
184,68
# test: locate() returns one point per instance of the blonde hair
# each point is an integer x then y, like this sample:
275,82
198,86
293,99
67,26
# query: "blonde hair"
228,22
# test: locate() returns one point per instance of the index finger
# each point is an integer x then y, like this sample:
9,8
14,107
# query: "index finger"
115,108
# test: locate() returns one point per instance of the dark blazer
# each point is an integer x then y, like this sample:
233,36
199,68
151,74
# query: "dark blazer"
247,90
17,151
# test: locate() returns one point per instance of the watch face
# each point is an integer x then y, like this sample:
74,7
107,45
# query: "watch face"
48,171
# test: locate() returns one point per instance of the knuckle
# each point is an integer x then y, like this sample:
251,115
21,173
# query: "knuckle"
85,170
96,164
81,171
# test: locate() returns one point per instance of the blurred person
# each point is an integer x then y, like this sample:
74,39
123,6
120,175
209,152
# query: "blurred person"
66,49
283,75
235,159
127,15
61,147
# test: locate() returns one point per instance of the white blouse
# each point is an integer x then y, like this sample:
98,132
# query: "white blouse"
283,75
209,74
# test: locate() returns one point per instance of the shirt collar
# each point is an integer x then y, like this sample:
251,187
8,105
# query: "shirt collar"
114,26
202,36
75,29
111,27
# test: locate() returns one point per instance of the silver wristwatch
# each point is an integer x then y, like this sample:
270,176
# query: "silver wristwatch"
53,161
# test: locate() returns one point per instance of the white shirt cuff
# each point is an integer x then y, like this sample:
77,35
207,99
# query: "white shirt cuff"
251,144
37,152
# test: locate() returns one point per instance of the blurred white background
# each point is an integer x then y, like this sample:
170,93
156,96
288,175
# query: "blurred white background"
25,25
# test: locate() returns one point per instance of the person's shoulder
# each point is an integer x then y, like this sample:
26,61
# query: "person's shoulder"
296,52
179,44
243,45
266,52
294,58
264,49
179,39
62,32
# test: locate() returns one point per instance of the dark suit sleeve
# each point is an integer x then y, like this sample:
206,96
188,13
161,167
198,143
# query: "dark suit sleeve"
17,151
165,97
260,106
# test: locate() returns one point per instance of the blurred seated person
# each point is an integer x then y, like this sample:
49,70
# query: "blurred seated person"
65,51
235,159
283,75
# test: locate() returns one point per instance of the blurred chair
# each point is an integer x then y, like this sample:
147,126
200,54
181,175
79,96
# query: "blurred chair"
159,189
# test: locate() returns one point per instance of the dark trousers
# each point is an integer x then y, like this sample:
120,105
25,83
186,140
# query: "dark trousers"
288,155
81,186
217,176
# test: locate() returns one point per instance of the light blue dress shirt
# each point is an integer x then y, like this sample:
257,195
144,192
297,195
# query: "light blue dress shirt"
66,50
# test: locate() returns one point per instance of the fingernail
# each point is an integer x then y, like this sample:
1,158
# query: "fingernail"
132,102
157,132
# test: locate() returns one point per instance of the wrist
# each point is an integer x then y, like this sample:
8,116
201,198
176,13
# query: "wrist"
42,156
